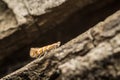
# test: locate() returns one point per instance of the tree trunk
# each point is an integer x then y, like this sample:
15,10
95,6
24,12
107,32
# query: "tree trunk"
92,55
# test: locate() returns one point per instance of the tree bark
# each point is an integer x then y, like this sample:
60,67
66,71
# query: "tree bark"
92,55
24,21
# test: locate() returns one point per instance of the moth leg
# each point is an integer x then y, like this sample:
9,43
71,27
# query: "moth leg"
41,55
45,53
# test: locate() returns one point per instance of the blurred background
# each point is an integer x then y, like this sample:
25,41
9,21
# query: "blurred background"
74,25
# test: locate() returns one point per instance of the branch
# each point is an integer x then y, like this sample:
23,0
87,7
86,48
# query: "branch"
93,54
22,22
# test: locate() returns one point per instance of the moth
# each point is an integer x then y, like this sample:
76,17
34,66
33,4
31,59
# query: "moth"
36,52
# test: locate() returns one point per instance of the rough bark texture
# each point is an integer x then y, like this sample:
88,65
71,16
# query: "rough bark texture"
21,26
92,55
18,26
34,23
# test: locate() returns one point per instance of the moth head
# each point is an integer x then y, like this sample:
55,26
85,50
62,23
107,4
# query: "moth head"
34,52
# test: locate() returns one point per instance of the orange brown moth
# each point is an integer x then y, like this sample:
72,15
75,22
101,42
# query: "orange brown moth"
36,52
